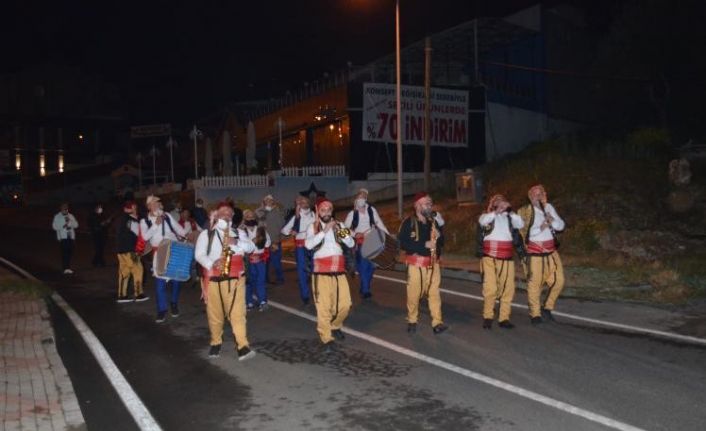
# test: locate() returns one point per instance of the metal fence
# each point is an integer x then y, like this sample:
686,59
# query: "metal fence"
250,181
314,171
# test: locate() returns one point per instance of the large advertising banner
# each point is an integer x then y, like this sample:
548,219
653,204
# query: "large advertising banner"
449,115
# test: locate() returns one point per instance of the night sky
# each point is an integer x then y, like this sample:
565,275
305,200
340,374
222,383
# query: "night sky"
180,60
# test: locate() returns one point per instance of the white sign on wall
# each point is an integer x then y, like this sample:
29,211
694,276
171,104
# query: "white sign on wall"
449,115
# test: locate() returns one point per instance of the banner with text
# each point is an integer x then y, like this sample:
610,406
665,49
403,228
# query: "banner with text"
449,115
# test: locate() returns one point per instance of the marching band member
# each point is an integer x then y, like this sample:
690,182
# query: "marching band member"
220,251
255,286
332,296
298,225
544,264
129,263
497,266
270,213
65,225
155,227
360,221
421,238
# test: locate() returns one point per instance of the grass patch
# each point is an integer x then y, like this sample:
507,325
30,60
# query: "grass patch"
30,288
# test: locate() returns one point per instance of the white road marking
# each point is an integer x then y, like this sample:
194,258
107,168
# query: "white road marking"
621,326
132,402
551,402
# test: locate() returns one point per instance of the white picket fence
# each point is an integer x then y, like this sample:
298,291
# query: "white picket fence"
249,181
320,171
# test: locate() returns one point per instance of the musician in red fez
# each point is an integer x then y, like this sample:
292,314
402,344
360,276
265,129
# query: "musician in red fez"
326,238
497,265
421,238
363,220
221,250
129,263
544,263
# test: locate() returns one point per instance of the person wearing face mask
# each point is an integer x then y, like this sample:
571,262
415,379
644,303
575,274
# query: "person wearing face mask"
297,226
155,227
497,266
422,238
129,263
224,288
332,296
65,225
176,210
98,225
270,214
360,221
542,223
256,293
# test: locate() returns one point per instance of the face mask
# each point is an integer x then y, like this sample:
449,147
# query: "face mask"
360,203
251,222
305,210
222,224
199,206
99,210
268,208
65,212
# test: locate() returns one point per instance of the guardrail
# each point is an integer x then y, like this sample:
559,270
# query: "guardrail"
249,181
314,171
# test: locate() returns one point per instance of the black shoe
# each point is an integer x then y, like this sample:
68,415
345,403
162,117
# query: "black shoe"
367,296
547,314
438,329
245,353
161,317
338,334
412,328
141,297
174,309
536,320
329,347
505,324
123,299
487,323
214,351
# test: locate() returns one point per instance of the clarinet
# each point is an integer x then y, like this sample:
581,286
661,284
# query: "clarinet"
551,228
433,237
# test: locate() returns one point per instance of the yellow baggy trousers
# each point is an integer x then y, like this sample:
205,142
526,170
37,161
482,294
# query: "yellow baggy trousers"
423,282
226,300
332,297
544,269
498,284
129,265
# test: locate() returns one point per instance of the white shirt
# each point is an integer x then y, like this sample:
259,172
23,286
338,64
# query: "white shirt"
157,233
205,259
304,223
252,233
330,247
501,231
364,221
65,226
536,233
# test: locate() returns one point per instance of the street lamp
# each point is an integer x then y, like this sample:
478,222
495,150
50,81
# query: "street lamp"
399,110
171,143
196,134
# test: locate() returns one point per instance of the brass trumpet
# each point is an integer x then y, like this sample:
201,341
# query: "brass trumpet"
342,232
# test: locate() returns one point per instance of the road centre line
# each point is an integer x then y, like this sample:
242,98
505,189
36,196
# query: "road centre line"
144,419
550,402
621,326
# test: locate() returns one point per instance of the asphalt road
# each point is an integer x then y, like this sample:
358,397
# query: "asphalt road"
634,380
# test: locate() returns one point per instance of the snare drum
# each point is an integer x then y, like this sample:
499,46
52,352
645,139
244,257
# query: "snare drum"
173,260
380,248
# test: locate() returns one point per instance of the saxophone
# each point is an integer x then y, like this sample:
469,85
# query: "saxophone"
434,236
226,254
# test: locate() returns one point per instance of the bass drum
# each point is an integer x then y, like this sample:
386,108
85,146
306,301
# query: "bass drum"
380,248
173,260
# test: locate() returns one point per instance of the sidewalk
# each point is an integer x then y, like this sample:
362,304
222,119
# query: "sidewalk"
35,389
